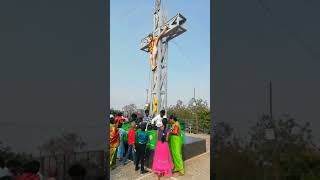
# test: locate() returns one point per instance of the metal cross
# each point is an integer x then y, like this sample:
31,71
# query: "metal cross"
158,84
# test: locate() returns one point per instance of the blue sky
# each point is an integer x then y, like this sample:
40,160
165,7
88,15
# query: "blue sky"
189,54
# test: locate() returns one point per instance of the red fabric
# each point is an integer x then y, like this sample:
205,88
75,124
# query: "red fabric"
28,176
118,120
131,136
175,130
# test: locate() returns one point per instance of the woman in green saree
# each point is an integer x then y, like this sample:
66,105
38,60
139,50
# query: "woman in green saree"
176,146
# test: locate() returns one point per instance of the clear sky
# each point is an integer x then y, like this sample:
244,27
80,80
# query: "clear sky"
189,54
266,40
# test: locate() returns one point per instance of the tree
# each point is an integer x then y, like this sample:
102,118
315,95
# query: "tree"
113,111
129,109
197,115
8,154
67,144
284,149
222,135
179,103
201,111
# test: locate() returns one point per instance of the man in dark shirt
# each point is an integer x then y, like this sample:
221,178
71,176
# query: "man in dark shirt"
141,148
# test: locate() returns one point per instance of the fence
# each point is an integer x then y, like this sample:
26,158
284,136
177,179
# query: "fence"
93,161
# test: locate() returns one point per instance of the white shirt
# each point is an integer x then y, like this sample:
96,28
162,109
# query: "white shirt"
158,120
4,172
40,175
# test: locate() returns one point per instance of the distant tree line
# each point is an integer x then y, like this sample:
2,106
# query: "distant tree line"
274,149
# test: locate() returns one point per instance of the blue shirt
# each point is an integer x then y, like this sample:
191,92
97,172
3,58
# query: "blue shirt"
142,137
121,133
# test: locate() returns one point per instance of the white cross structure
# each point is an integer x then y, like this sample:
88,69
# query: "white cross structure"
158,84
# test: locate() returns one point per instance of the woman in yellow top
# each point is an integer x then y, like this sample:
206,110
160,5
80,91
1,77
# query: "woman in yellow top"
153,47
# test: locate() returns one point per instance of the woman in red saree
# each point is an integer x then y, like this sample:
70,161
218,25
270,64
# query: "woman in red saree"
114,142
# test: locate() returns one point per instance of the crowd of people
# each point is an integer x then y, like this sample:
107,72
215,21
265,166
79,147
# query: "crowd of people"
167,157
14,170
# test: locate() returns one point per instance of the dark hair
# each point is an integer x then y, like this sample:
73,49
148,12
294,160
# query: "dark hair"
173,117
120,125
162,111
120,114
134,115
99,178
13,164
111,120
37,164
164,134
77,170
31,167
143,126
146,111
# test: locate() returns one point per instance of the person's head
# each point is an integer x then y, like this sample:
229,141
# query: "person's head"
77,172
146,112
119,114
120,125
31,167
99,178
111,120
164,127
14,166
150,35
164,122
134,116
2,163
162,113
36,165
172,119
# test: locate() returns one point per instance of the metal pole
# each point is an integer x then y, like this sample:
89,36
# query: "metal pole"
194,94
147,95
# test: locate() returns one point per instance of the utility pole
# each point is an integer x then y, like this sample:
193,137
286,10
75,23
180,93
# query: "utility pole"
147,95
195,110
194,93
